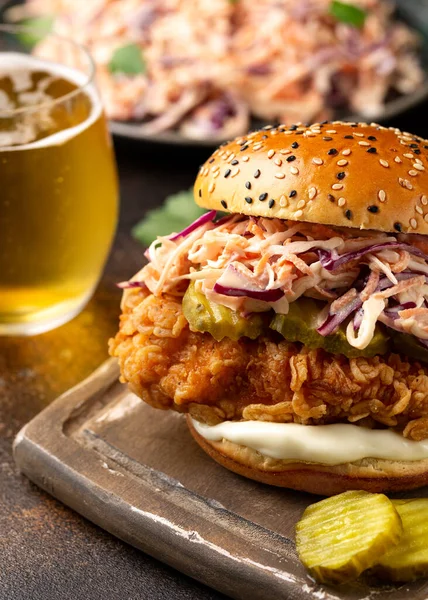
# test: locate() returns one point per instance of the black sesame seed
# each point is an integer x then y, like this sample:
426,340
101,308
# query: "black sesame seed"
417,151
291,158
372,150
294,145
227,172
426,147
235,162
263,196
282,130
292,193
324,122
244,147
200,193
299,132
341,175
224,203
414,146
264,137
248,185
354,125
293,128
373,208
257,174
332,151
349,137
271,203
327,139
372,138
348,214
248,200
331,197
223,144
397,227
211,160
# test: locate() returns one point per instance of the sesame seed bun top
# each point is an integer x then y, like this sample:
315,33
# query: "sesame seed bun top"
343,174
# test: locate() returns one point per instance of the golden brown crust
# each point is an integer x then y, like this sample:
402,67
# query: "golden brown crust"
372,475
366,176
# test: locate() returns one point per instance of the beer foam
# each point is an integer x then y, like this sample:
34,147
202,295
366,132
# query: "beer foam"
14,64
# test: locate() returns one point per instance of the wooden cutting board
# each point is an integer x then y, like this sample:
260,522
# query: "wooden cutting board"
136,472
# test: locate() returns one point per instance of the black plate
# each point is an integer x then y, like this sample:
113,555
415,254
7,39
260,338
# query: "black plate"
412,12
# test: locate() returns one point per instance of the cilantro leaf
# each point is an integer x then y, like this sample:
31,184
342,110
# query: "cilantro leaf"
178,211
128,60
38,28
348,13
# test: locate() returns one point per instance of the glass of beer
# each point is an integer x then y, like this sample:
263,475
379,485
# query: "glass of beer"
58,182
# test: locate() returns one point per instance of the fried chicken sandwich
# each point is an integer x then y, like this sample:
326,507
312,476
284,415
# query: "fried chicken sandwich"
293,330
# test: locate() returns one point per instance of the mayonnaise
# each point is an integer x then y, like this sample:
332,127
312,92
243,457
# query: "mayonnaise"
324,444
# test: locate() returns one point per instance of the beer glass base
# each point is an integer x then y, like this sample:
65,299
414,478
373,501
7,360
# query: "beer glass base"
36,326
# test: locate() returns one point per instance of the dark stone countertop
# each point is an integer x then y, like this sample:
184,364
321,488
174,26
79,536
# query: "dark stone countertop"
47,551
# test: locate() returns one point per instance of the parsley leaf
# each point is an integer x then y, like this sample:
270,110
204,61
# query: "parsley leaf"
348,13
38,28
128,60
178,211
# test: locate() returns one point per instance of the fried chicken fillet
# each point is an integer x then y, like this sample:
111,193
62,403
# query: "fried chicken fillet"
269,379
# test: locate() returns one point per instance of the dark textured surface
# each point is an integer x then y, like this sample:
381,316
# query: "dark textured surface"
47,551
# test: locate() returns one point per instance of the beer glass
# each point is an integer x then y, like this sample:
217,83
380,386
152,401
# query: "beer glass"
58,183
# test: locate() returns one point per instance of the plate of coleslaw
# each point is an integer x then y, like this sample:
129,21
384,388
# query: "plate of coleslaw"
200,72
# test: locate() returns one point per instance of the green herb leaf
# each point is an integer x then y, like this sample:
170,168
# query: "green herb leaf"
38,28
128,60
348,13
178,211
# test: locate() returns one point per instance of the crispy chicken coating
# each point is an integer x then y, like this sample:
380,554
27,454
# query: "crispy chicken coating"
269,379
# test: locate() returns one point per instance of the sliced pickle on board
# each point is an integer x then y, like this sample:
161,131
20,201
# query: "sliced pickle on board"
408,560
220,321
339,537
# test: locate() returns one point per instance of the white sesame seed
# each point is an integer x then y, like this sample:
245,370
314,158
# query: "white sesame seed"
271,153
384,163
279,175
309,134
409,186
426,218
257,146
401,181
231,157
278,162
398,159
298,214
246,158
235,172
240,141
358,134
294,170
331,131
418,160
312,192
273,132
381,195
211,187
337,186
342,163
287,132
317,161
283,201
413,223
346,152
301,203
341,202
408,155
419,167
424,200
413,173
284,151
419,210
363,143
215,168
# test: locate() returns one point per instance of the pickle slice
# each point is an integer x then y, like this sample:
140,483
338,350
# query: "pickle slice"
220,321
338,538
408,560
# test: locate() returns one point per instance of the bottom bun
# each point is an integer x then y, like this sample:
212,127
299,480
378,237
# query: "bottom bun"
370,474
